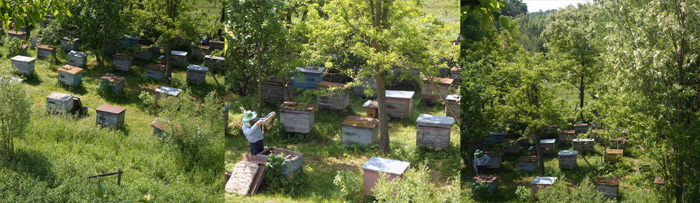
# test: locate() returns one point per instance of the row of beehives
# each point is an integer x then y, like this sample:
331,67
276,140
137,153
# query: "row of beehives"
609,186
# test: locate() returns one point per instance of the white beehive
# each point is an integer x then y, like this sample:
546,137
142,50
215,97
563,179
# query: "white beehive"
59,102
434,131
392,168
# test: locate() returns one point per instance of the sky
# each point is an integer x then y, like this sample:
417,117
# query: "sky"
536,5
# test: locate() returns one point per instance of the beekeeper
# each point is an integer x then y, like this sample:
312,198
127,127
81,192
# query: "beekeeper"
252,129
480,160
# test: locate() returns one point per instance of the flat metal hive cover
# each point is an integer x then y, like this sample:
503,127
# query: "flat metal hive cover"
168,90
399,94
438,120
386,165
543,180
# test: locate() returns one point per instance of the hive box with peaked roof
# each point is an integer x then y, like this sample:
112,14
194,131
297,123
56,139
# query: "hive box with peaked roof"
307,77
165,92
297,117
452,106
70,75
399,104
196,74
112,82
155,71
437,89
360,130
434,131
338,99
70,44
158,127
567,159
45,51
58,102
110,116
24,64
216,63
372,108
610,186
178,58
540,183
76,58
273,89
392,168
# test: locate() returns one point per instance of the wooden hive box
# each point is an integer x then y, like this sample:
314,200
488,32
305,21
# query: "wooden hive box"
293,161
199,51
584,145
144,52
452,106
512,146
430,93
178,58
129,41
433,131
273,89
59,103
490,180
23,64
155,71
613,155
455,73
197,74
610,186
495,161
122,62
307,77
35,40
113,82
372,108
392,168
45,51
165,92
70,75
618,143
527,163
566,136
548,146
297,117
216,44
496,137
110,116
70,44
359,90
338,99
158,127
581,127
360,130
567,159
540,183
216,63
21,35
399,104
76,58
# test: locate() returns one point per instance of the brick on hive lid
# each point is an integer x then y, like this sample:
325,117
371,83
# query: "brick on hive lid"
361,122
70,69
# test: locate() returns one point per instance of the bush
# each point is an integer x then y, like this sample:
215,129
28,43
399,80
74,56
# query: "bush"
14,47
148,101
524,193
560,192
14,114
350,184
415,186
276,182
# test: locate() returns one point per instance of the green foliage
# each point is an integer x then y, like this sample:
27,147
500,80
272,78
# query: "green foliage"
531,27
14,114
414,186
524,193
14,46
35,11
561,192
350,184
277,182
100,190
147,100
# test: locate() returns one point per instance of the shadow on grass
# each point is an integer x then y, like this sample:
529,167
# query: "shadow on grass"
30,163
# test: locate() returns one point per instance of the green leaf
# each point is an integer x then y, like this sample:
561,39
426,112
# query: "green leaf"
504,22
100,190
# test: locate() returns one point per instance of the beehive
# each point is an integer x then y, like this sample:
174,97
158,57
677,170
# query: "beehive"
110,116
70,75
144,52
155,71
216,44
610,186
429,91
359,130
618,143
548,146
444,72
393,169
130,41
581,127
112,82
297,117
199,51
178,58
216,63
567,159
495,161
434,131
158,127
490,180
307,77
165,92
293,161
338,99
21,35
45,51
566,136
122,62
24,64
59,103
584,145
35,40
455,73
372,108
70,44
76,58
613,155
512,146
527,163
496,137
273,89
196,74
540,183
452,106
399,104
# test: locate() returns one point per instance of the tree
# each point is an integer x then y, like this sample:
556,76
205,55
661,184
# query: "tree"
572,37
652,49
34,11
514,8
98,22
14,113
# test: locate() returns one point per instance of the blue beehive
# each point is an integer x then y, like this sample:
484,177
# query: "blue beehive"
130,41
496,137
307,77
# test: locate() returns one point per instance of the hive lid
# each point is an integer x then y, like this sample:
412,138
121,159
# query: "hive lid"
155,66
527,159
69,38
543,180
436,120
113,78
197,68
362,122
77,54
370,104
215,42
614,151
168,90
60,96
311,69
399,94
452,97
43,46
568,152
178,53
497,133
386,165
569,131
297,106
70,69
330,84
485,178
455,69
110,109
547,141
442,81
612,181
23,58
581,125
132,37
214,57
584,140
157,123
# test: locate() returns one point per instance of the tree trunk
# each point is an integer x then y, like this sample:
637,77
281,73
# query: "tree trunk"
380,79
168,63
287,92
538,149
581,92
260,77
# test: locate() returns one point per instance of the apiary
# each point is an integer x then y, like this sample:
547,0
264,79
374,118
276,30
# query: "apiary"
273,89
70,44
165,92
59,103
584,145
540,183
293,161
155,71
23,64
110,116
216,63
112,82
77,59
610,186
70,75
567,159
144,52
548,146
307,77
527,163
399,104
613,155
360,130
434,131
130,41
45,51
437,89
490,180
297,117
178,58
337,99
452,106
392,168
196,74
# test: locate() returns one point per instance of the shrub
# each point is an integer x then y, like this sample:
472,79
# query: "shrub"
14,47
279,183
148,101
14,114
350,184
560,192
524,193
415,186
